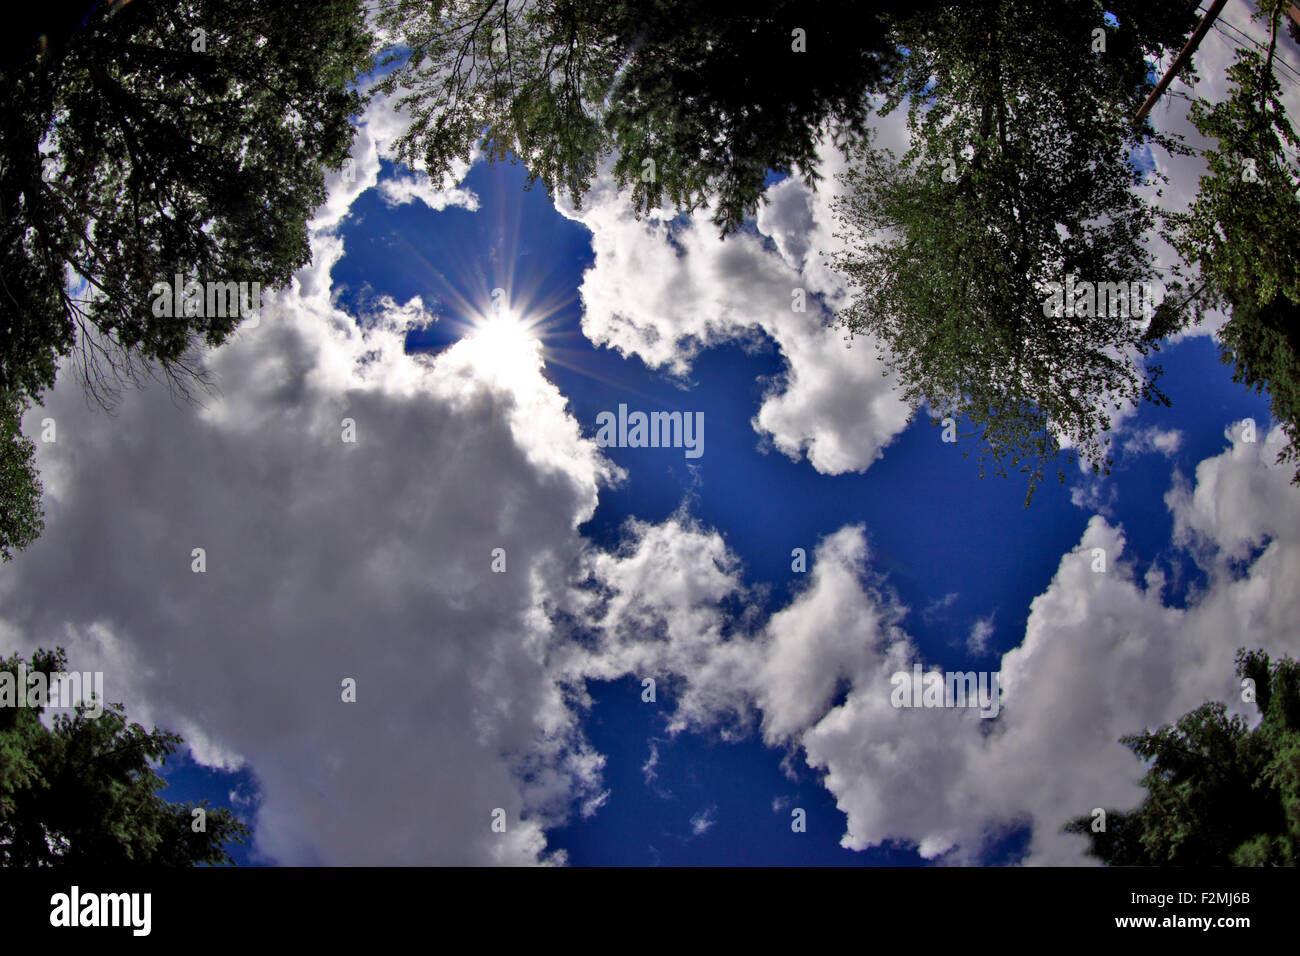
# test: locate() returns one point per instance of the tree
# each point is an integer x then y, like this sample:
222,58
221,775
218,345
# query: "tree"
147,140
1018,180
1218,793
1262,343
85,792
21,518
694,100
1242,233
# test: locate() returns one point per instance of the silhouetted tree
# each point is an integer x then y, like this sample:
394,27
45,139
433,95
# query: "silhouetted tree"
1218,793
85,791
152,139
694,100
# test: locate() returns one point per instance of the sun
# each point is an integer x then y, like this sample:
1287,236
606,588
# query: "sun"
505,323
503,344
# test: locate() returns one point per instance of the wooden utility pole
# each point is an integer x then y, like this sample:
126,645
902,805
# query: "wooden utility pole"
1180,61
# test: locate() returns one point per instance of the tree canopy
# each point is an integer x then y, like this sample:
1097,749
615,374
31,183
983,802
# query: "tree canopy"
692,100
1218,793
21,518
1019,180
156,139
85,791
1241,234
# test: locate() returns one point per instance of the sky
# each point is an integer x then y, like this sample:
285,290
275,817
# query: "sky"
522,690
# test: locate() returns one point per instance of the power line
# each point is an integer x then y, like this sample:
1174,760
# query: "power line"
1280,61
1294,76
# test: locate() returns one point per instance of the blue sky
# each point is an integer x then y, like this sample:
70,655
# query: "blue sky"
956,548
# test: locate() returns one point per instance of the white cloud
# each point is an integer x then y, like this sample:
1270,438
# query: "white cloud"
664,290
980,633
648,768
703,821
328,560
1164,441
1102,657
408,187
1096,494
381,124
655,606
1234,507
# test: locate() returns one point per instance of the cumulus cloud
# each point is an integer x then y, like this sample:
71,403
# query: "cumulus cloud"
663,288
1230,511
656,609
1102,656
378,127
327,560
